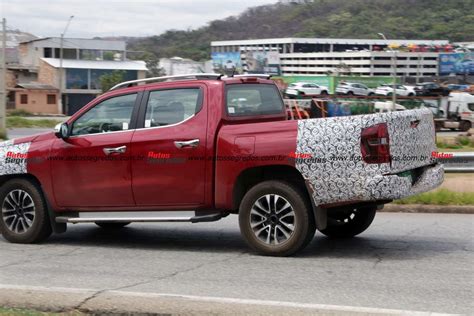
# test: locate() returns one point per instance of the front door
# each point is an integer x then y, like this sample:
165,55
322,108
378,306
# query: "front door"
171,148
91,168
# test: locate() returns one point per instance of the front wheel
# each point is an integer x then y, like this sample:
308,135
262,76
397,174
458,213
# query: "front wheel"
346,223
276,218
24,218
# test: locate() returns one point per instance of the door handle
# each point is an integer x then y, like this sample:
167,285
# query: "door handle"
116,150
187,143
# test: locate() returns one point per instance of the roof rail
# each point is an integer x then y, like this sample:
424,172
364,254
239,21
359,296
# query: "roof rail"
167,78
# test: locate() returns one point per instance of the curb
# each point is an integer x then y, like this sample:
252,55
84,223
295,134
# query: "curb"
97,302
428,208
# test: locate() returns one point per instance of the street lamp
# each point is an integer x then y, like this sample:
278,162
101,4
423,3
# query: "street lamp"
61,43
394,72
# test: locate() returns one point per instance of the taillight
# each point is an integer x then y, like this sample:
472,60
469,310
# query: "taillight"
375,144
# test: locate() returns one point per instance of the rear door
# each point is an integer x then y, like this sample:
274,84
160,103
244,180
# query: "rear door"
171,144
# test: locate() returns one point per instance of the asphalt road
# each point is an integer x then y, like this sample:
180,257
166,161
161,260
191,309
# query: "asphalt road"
421,262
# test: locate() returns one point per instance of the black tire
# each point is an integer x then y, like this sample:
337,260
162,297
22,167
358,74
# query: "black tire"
389,94
28,220
302,220
111,225
371,94
324,92
349,223
350,93
465,126
411,95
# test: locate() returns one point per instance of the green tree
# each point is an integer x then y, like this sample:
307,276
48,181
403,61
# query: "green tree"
109,80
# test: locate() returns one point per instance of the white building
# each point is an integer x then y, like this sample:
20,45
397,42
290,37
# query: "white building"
321,56
181,66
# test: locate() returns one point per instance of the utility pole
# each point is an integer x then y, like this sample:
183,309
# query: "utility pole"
61,44
3,77
394,74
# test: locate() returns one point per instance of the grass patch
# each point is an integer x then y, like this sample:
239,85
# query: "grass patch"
440,197
19,113
18,121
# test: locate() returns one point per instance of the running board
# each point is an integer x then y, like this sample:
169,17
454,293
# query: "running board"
188,219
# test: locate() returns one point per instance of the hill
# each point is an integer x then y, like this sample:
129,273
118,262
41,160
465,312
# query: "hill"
403,19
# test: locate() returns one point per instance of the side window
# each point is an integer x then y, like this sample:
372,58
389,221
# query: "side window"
110,115
253,99
167,107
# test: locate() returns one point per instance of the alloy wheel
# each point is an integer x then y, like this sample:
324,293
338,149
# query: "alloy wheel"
18,211
272,219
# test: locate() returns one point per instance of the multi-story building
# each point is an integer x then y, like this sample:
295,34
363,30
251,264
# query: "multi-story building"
323,56
78,77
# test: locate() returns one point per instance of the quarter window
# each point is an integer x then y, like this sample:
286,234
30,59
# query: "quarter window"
470,106
111,115
166,107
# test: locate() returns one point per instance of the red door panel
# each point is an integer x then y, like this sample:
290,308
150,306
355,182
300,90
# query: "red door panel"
167,175
84,176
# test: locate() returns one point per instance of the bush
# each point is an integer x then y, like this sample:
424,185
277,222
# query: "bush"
463,140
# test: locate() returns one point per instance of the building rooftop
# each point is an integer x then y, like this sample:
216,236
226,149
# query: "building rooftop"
81,43
349,41
97,64
35,86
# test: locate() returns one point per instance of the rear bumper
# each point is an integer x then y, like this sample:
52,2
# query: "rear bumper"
397,187
377,187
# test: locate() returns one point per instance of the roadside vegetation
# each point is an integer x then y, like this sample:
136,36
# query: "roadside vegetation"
459,143
19,121
440,197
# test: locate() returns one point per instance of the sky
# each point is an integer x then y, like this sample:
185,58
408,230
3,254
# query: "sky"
117,17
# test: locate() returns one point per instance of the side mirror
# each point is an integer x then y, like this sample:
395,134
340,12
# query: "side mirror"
61,130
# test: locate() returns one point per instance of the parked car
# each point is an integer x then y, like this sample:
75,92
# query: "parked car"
457,87
216,146
354,89
401,90
305,88
431,89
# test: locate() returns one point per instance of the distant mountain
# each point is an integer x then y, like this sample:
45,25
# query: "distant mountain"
402,19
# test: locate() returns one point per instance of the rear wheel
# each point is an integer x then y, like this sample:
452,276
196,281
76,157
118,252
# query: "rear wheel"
349,222
276,219
465,126
350,93
111,225
324,92
24,217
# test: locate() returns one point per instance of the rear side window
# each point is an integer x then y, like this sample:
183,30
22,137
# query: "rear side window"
166,107
253,99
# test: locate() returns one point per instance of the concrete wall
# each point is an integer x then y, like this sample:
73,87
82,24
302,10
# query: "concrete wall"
37,101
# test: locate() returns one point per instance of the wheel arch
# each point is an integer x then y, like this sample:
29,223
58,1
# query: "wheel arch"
254,175
57,227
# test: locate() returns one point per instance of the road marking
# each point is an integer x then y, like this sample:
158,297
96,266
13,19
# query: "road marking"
227,300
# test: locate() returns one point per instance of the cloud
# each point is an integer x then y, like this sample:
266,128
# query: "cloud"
117,17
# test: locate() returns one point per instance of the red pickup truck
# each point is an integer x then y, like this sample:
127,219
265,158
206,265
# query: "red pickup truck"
217,146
